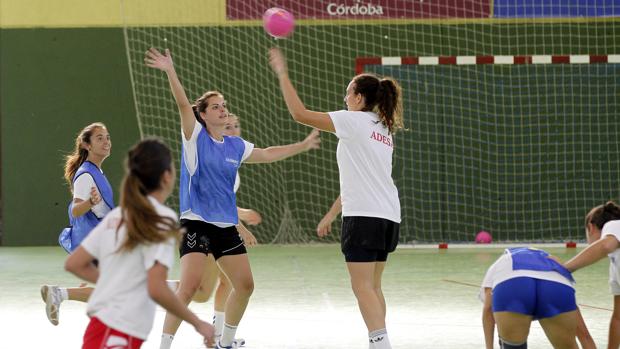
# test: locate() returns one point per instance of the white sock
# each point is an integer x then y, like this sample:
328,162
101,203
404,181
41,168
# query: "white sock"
378,339
172,284
166,341
64,294
228,335
218,322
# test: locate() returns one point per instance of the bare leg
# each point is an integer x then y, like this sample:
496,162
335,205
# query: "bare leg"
379,267
583,335
209,280
371,303
219,306
561,330
614,326
221,293
80,294
237,269
192,266
513,327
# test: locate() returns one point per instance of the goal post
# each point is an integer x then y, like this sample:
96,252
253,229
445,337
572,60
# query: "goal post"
507,144
500,138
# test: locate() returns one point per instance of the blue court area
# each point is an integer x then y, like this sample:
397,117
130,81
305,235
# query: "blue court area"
302,300
555,8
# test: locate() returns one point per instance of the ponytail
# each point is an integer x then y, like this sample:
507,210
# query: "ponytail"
602,214
382,96
390,104
74,160
145,165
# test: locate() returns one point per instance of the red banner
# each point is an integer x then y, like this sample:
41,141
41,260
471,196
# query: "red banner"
358,9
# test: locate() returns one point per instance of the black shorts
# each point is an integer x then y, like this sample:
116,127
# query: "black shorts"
207,238
368,239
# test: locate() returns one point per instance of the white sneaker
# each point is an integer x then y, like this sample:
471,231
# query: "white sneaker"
51,297
236,343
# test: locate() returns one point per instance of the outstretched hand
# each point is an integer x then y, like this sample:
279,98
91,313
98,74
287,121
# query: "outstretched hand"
155,59
277,61
313,141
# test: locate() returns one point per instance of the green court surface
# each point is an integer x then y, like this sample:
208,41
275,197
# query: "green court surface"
302,299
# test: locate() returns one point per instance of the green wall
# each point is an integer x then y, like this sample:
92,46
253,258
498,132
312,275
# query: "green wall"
55,82
441,199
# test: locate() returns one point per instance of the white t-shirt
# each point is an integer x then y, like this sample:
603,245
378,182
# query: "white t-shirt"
364,157
502,270
613,228
191,160
81,190
120,299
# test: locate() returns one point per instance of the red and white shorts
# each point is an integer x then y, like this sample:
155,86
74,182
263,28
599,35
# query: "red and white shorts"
100,336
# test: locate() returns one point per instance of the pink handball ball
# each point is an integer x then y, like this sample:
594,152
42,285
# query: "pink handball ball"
483,237
278,22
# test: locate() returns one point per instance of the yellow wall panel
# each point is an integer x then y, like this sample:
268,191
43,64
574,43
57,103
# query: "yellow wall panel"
110,13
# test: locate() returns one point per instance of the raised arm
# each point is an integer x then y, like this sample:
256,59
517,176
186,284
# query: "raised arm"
295,106
163,62
325,225
281,152
593,253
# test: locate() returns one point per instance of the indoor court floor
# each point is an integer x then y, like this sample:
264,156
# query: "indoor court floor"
302,299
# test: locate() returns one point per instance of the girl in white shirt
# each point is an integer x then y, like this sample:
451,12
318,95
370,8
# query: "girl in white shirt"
92,147
135,246
603,235
369,199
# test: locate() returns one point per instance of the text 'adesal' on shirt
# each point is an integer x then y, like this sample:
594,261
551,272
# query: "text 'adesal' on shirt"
381,138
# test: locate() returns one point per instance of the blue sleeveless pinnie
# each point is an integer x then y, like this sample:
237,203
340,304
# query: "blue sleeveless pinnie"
79,227
209,191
